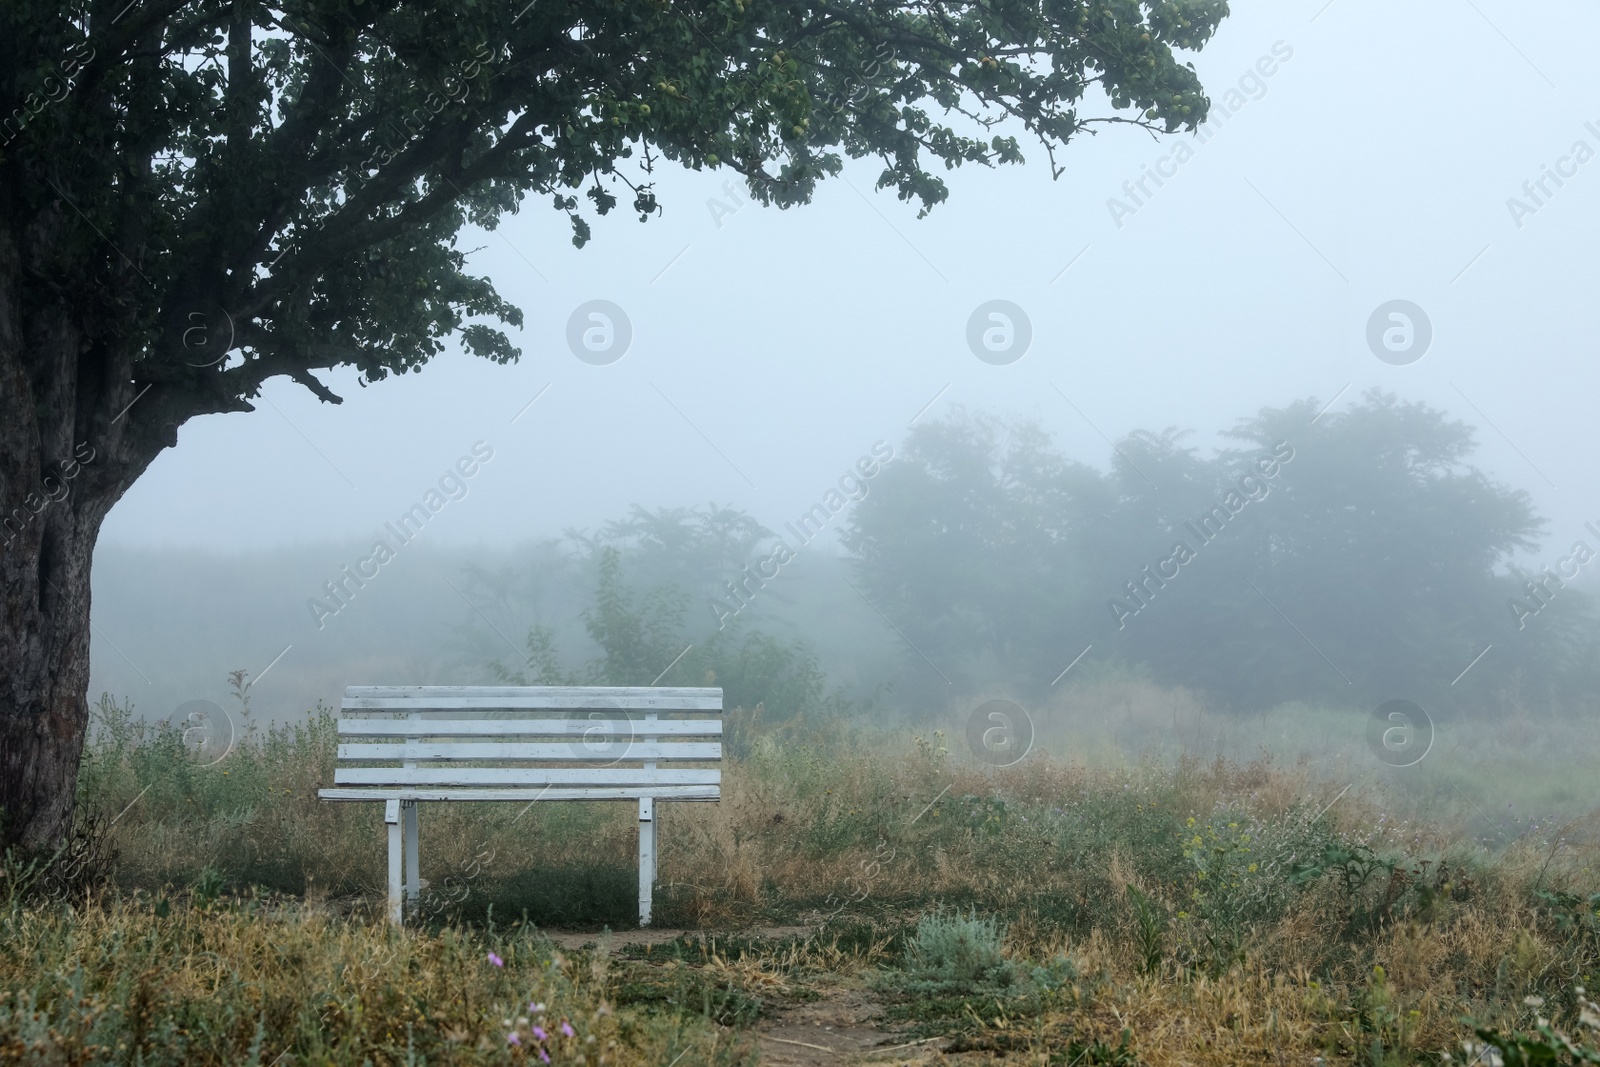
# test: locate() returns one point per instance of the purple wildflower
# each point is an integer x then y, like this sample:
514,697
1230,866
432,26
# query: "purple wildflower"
496,960
543,1055
566,1028
513,1039
538,1032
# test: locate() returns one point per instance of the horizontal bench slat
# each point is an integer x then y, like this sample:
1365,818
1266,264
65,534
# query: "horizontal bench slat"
486,698
525,776
660,792
602,748
362,727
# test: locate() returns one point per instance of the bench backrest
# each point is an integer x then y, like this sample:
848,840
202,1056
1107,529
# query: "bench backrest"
528,742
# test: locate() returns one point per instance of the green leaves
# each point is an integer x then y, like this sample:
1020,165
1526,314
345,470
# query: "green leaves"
1545,1047
1355,864
254,157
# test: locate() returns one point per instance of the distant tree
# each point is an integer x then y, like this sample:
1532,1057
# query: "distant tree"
644,637
201,195
696,548
1391,552
981,543
1373,564
664,564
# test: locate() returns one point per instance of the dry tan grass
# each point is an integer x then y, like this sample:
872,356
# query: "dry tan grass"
111,982
880,828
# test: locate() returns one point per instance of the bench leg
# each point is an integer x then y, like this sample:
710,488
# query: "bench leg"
647,857
391,816
408,814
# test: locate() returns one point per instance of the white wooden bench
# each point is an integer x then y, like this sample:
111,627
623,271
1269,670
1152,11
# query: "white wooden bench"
407,744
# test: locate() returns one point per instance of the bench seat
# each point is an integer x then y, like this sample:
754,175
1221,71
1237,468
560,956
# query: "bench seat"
405,745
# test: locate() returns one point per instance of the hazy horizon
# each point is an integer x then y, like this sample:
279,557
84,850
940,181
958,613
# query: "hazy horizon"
770,349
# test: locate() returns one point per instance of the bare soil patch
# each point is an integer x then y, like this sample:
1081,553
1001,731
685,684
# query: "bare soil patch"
842,1027
653,935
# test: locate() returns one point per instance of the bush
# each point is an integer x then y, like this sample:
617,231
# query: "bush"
1546,1045
952,954
1247,871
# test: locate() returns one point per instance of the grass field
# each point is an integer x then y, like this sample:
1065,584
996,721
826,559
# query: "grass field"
1111,899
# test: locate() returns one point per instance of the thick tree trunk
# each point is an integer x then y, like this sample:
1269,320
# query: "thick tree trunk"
66,456
44,659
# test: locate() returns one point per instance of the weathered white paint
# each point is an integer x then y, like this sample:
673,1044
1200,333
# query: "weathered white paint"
490,698
391,817
429,716
611,751
433,793
522,776
351,726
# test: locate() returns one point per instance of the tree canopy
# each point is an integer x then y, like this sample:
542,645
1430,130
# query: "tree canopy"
283,180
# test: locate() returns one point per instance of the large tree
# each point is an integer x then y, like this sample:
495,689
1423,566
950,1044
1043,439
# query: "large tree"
200,195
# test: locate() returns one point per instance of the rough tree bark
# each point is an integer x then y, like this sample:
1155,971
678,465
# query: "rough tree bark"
66,456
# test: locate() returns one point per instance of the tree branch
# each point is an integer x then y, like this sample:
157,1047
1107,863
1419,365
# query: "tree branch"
320,391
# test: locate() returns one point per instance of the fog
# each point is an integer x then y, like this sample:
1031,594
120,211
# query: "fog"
1359,154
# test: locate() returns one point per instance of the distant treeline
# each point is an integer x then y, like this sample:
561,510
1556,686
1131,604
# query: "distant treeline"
1351,557
1343,559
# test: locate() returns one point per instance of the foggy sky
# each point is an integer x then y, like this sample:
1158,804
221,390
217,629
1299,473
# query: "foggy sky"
771,348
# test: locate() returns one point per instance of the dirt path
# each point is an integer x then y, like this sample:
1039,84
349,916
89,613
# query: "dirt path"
838,1029
652,935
